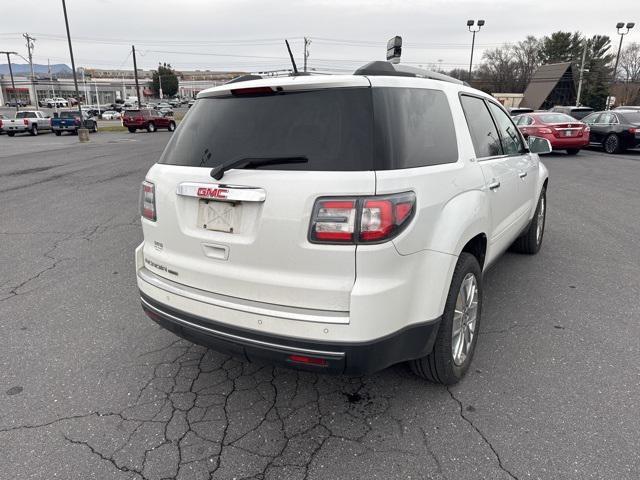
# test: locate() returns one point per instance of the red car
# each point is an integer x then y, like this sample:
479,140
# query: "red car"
564,132
146,119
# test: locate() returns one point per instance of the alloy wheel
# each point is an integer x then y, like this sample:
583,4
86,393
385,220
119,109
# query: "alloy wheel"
540,220
464,319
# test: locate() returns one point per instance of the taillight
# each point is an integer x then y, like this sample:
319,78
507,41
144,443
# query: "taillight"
633,131
77,121
361,219
586,130
543,130
148,201
334,221
25,121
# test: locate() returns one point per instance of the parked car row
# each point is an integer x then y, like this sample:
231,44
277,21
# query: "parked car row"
35,121
614,130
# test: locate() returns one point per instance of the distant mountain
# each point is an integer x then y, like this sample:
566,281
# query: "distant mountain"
23,69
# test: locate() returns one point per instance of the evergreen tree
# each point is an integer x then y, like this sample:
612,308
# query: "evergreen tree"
169,80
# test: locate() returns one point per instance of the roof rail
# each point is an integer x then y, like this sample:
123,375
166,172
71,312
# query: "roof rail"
399,70
244,78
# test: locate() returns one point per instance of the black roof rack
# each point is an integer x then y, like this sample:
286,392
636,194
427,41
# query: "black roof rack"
398,70
245,78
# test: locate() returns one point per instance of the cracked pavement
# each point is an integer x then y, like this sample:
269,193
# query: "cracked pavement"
92,389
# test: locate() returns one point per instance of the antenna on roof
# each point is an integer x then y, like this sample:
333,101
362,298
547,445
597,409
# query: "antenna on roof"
293,62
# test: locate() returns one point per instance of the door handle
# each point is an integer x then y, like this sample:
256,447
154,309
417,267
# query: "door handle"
494,185
522,174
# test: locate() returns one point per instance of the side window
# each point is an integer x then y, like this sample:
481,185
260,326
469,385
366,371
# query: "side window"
414,127
528,121
484,135
606,118
509,135
591,119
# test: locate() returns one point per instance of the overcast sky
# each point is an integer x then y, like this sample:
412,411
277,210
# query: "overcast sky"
248,34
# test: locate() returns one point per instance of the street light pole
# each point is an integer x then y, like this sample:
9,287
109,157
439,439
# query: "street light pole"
470,26
13,85
73,63
619,27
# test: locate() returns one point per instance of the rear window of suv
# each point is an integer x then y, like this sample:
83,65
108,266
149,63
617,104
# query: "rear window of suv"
336,129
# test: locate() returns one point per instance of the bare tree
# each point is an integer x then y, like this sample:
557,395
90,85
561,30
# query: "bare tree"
497,73
527,59
629,66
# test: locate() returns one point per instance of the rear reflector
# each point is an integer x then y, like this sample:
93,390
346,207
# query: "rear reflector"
335,220
320,362
148,201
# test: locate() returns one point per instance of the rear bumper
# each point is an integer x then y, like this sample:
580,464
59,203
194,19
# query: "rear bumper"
560,143
16,128
351,358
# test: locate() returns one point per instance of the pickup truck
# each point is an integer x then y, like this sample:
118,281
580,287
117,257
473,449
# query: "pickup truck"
70,121
29,121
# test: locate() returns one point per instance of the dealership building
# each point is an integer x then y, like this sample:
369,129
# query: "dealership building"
102,87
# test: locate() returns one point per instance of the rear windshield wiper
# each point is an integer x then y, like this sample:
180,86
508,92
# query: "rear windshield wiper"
218,172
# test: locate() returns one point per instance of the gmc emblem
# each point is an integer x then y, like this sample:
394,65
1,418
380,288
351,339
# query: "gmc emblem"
213,192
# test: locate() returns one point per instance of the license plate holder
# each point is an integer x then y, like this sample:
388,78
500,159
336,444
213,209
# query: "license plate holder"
219,216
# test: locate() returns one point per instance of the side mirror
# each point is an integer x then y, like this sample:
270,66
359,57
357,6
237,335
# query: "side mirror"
539,145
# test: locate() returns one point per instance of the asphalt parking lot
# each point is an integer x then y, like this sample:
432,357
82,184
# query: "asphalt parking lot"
92,389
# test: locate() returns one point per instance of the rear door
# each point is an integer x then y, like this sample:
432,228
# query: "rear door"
595,134
246,235
501,171
519,161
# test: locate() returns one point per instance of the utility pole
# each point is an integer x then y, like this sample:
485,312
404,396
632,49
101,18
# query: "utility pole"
307,42
73,65
13,85
584,56
160,81
135,73
30,45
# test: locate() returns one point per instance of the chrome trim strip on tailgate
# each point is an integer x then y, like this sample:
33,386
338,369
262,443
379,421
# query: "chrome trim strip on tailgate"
242,305
219,191
238,338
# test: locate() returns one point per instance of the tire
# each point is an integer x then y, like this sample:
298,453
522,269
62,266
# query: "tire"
11,134
34,130
531,240
612,144
151,127
132,130
58,133
95,127
443,365
172,126
572,151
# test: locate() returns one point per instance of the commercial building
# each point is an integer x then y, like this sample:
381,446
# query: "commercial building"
103,86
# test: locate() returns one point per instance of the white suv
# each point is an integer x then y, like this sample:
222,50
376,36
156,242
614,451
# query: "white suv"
338,223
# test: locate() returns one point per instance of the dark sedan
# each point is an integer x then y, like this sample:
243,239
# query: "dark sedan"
615,130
